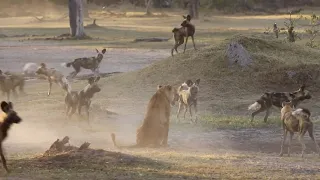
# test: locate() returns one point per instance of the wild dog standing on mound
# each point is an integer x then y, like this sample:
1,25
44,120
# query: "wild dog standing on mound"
179,34
267,100
76,100
188,93
9,82
53,75
276,30
296,121
6,121
155,127
91,63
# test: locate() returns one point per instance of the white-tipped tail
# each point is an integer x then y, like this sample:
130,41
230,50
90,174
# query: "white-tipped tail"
255,106
30,68
300,112
64,65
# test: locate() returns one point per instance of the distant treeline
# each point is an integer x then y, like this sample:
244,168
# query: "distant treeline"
225,5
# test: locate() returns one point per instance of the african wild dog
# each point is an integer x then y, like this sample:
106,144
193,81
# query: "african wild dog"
269,99
75,100
10,117
296,121
188,93
9,82
91,63
53,75
276,30
179,34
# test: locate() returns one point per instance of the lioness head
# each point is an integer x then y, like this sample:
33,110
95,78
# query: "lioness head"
170,92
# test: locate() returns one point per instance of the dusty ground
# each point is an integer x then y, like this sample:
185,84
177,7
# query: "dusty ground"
195,152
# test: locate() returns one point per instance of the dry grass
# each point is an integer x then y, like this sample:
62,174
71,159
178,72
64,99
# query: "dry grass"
158,164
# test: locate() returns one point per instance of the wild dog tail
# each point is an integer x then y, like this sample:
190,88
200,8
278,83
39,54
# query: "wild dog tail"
302,113
175,29
113,137
66,64
255,106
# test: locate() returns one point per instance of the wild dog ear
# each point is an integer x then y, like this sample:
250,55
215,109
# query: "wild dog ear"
5,106
292,95
189,82
103,51
303,87
43,65
91,80
159,86
97,79
184,17
10,105
188,17
169,87
97,51
197,82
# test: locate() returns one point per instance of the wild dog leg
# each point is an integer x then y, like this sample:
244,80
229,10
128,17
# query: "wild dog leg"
73,110
257,112
190,113
181,41
310,131
3,159
179,110
285,132
21,88
67,110
302,143
87,110
289,143
196,111
194,45
14,92
50,85
185,111
267,115
185,45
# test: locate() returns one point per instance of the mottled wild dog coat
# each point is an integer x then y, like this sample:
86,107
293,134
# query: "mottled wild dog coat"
188,97
91,63
269,99
155,127
55,76
276,30
296,121
10,117
179,34
9,82
76,100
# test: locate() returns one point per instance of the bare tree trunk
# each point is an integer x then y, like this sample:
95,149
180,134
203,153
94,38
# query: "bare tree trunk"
193,6
85,9
72,17
148,6
76,18
80,29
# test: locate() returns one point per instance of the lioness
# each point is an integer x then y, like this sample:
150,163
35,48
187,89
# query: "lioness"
155,127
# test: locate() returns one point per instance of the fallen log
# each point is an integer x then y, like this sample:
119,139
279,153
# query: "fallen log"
152,39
